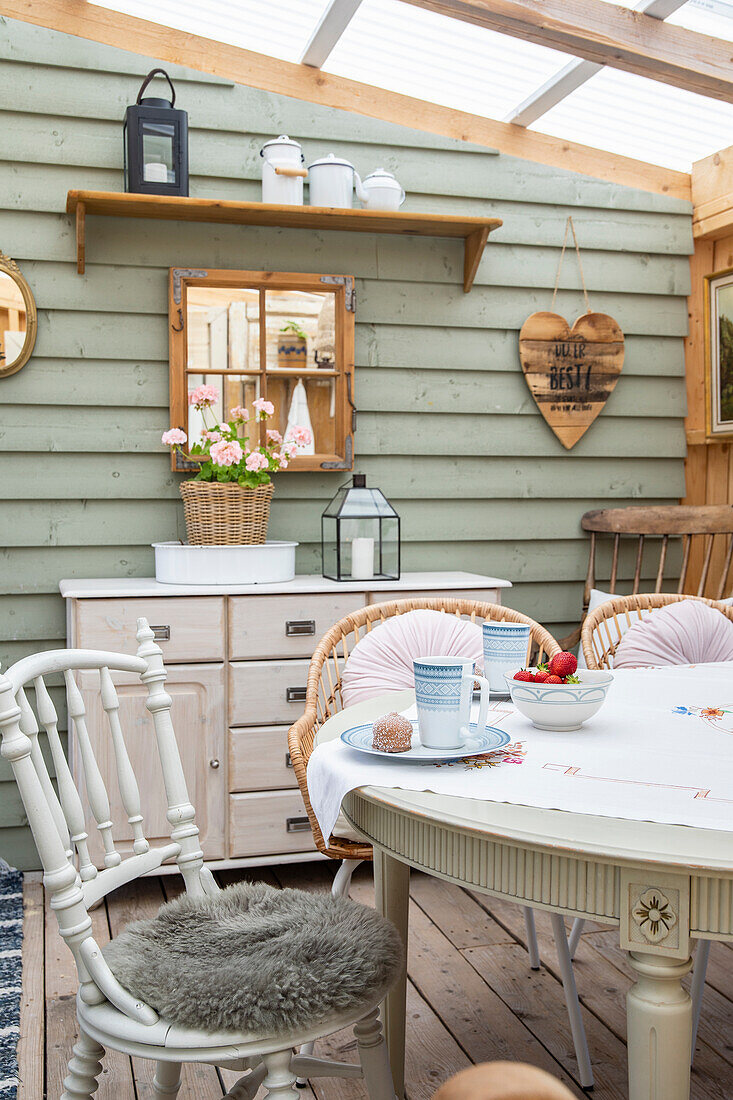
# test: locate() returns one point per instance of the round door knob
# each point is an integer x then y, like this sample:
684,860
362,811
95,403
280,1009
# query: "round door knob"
214,764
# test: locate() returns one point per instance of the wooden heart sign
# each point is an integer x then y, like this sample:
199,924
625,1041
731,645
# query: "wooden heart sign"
571,372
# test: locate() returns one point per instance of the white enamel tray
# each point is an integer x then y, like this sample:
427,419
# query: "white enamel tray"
361,737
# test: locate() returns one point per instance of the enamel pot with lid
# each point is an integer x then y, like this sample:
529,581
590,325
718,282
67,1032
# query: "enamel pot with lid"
383,192
282,172
332,181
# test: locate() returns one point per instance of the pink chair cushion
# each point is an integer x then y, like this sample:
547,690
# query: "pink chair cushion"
684,633
382,660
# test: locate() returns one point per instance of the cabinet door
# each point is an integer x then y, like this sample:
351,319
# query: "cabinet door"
198,712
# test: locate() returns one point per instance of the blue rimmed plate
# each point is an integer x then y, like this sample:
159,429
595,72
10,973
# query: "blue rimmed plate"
489,739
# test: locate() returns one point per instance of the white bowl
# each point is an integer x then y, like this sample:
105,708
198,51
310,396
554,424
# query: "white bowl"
560,707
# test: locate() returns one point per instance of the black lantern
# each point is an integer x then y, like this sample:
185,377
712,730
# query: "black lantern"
156,144
360,535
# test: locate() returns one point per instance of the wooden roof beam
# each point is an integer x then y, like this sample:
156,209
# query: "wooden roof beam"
608,35
112,28
573,75
333,22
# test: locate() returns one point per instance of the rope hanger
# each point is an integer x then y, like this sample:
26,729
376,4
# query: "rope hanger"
569,226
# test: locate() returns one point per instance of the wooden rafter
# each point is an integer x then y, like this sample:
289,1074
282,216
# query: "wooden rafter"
577,72
77,17
607,34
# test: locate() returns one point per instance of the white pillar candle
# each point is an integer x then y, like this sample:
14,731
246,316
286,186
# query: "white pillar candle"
362,559
155,172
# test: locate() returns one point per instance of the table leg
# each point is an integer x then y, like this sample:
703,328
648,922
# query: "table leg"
659,1021
392,887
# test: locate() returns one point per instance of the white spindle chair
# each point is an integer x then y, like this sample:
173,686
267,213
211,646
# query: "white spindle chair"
108,1015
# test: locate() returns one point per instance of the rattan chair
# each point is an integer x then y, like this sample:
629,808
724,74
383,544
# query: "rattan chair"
603,628
601,633
324,698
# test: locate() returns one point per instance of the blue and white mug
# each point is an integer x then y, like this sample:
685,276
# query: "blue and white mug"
506,646
444,690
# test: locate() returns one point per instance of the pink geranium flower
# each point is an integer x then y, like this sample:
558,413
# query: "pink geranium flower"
256,461
203,397
238,412
174,437
273,436
301,436
280,459
263,408
290,448
213,437
226,453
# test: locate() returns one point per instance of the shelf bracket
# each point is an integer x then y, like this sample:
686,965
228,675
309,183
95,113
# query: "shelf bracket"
81,218
473,251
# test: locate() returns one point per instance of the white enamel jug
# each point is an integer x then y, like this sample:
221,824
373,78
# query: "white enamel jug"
282,172
332,181
383,192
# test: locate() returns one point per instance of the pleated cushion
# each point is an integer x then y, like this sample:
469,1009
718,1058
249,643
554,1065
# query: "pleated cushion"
382,660
684,633
257,959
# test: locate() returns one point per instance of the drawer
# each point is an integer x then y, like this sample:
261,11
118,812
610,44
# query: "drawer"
268,824
484,595
259,759
266,692
188,629
285,626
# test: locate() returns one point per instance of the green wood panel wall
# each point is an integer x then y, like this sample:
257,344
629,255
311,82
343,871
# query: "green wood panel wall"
446,425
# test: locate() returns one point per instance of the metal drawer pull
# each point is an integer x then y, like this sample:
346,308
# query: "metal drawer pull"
297,824
295,695
161,633
299,626
214,764
288,760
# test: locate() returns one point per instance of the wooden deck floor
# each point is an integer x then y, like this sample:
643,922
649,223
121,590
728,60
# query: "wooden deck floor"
471,997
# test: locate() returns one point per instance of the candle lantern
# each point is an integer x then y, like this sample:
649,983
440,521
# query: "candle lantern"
156,144
360,535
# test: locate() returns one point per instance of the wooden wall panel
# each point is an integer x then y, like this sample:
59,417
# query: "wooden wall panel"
446,426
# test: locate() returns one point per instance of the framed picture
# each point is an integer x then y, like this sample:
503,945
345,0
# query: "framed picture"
719,355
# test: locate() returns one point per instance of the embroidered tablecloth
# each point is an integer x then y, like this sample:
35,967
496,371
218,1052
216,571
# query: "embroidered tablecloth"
660,749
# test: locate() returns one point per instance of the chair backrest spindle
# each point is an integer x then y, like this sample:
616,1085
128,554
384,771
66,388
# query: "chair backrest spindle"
29,726
129,790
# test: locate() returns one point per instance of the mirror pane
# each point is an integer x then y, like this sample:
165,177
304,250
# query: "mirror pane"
223,325
301,328
13,321
209,407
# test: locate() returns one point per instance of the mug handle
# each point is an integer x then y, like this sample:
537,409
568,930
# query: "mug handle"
403,196
485,689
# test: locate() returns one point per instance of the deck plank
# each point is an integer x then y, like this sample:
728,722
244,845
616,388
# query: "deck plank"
32,1009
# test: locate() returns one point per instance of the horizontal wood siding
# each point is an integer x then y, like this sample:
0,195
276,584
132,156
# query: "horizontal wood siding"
446,425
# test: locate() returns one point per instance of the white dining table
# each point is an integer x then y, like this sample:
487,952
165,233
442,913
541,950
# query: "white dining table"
613,870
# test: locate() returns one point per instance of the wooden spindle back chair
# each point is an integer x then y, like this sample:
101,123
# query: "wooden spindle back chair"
108,1014
59,823
604,628
704,531
324,697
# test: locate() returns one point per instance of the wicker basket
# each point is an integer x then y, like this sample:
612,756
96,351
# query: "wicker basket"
225,514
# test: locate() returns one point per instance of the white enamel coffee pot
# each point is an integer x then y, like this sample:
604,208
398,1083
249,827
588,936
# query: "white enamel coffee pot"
332,181
282,172
383,192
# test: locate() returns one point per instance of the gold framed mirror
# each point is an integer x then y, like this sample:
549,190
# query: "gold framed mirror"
18,318
282,336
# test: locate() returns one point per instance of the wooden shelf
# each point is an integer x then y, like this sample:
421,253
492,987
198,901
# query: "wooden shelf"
474,231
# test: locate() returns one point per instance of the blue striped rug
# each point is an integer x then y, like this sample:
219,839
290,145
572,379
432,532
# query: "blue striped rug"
11,942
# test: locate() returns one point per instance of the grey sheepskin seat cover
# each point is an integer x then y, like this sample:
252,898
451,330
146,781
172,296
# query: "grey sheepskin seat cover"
255,958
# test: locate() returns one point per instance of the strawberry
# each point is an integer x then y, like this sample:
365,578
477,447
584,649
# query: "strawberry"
553,680
563,664
542,676
523,674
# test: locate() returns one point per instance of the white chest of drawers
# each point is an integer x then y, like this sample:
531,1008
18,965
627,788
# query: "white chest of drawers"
237,663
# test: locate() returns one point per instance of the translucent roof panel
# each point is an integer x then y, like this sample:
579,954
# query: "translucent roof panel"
713,17
641,118
280,29
443,60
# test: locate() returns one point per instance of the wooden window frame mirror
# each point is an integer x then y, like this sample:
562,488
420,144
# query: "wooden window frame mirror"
10,268
340,286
